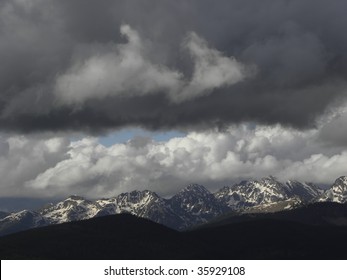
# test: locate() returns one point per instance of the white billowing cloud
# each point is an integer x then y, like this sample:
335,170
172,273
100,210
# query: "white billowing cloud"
319,167
127,70
212,70
22,158
210,158
334,130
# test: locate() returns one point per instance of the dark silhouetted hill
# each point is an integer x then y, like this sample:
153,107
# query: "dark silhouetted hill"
320,214
128,237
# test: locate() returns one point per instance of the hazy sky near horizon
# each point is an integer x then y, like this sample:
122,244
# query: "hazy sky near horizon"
102,97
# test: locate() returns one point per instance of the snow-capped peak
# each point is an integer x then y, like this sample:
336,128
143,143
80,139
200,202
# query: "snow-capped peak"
342,181
73,208
337,192
191,206
251,193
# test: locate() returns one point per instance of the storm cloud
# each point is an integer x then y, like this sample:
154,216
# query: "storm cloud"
99,65
125,71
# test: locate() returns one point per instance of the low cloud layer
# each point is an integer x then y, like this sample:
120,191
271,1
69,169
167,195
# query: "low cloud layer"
58,167
22,158
163,65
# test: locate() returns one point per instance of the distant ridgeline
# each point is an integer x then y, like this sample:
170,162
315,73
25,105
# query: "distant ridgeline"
193,206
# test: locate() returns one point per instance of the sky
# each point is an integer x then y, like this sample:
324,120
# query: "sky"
103,97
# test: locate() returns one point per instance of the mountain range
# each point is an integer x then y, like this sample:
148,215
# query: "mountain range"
191,207
308,232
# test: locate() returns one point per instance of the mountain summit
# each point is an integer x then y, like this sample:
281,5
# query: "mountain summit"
337,192
193,205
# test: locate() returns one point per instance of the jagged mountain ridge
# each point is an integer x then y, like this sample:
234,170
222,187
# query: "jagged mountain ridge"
192,206
22,220
337,192
196,205
266,191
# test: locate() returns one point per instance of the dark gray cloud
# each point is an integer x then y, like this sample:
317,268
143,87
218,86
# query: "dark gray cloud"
297,48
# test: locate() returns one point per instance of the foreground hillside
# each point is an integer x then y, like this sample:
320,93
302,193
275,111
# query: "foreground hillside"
125,236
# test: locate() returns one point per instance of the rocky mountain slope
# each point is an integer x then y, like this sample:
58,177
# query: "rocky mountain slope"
192,206
267,191
337,192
